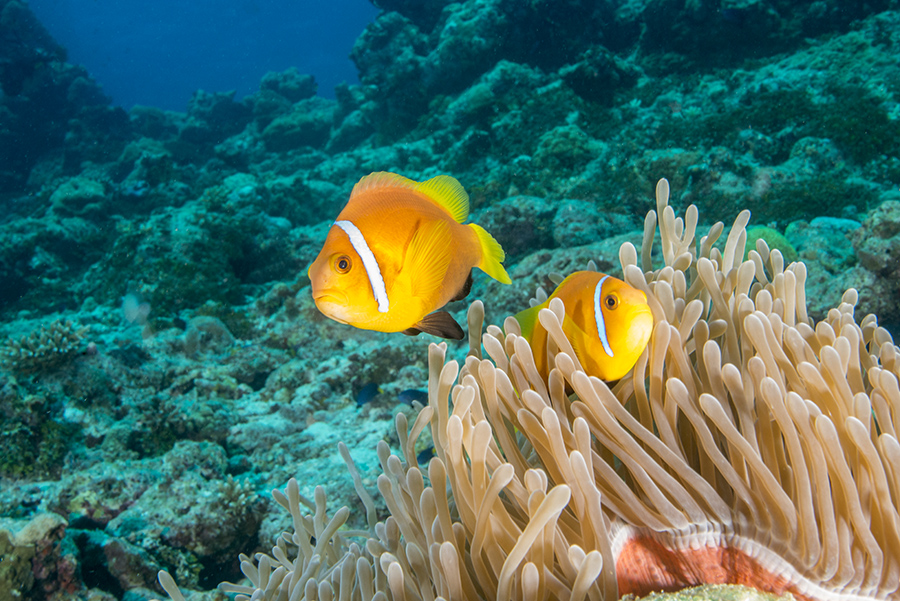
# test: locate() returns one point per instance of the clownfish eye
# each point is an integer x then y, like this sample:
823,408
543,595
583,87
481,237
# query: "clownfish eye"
611,301
342,264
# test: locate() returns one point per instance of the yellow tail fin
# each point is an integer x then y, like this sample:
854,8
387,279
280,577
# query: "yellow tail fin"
491,255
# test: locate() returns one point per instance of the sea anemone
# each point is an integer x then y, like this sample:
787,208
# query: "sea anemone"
747,446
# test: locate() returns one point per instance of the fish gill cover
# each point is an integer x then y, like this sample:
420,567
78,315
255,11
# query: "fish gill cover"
168,250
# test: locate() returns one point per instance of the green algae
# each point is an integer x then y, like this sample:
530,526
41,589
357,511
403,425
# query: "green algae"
849,114
859,123
773,239
34,450
829,195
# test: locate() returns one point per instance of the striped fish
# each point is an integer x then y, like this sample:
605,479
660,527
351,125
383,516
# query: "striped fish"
398,252
607,321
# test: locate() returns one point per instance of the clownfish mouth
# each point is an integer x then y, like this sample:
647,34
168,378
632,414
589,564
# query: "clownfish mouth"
644,313
330,296
332,304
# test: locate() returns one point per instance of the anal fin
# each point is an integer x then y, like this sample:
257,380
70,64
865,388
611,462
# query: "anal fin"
438,324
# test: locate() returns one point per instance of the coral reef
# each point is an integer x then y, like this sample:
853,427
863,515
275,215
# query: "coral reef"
875,244
595,119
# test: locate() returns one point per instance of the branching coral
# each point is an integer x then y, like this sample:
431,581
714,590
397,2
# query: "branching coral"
44,348
315,561
746,446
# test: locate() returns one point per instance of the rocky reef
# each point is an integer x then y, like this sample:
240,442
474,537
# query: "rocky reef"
190,372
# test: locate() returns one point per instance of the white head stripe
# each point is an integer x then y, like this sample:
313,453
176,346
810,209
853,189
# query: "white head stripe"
598,316
372,270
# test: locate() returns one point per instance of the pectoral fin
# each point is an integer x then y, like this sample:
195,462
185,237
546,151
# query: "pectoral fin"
438,324
579,338
427,259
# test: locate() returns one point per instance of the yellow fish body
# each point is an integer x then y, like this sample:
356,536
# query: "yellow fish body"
607,321
399,251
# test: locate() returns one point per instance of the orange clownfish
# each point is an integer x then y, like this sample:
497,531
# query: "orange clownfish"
607,321
399,251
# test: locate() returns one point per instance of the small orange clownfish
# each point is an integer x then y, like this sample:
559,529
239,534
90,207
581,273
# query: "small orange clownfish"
607,321
399,251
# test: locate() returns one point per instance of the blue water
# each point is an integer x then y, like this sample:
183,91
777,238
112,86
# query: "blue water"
158,53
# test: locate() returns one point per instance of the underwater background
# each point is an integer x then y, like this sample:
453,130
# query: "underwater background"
163,364
159,53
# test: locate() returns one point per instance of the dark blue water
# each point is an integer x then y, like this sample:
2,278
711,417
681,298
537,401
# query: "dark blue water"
158,53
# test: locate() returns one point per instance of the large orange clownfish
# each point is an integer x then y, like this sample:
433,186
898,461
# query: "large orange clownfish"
607,321
399,251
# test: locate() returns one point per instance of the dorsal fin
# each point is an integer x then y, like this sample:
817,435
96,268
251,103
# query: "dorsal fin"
448,193
382,179
443,190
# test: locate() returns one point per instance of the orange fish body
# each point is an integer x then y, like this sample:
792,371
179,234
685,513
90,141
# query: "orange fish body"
397,252
607,321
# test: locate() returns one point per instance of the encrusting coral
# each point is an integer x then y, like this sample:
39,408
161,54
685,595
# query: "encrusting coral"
746,446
